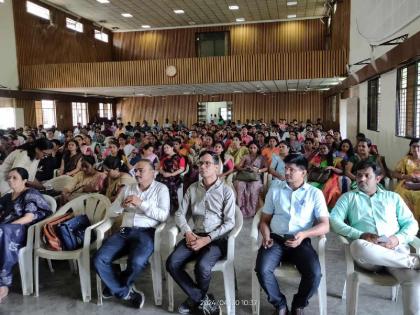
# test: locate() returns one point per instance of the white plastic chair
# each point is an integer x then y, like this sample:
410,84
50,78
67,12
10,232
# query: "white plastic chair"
26,253
155,262
60,182
180,191
226,266
95,207
357,275
287,270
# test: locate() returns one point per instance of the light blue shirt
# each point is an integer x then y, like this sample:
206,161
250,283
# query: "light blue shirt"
385,213
294,210
277,164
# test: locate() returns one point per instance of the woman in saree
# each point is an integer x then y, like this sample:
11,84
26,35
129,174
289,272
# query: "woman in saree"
18,209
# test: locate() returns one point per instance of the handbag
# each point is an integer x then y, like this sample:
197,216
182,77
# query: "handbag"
319,175
72,232
247,176
50,234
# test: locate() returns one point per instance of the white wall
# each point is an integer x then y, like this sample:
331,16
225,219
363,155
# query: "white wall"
8,59
371,20
390,146
213,109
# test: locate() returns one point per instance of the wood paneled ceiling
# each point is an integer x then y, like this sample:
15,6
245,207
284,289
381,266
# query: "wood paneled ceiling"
263,87
160,13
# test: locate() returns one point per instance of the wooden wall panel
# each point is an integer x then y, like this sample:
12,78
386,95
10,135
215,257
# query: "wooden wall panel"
340,26
246,39
300,106
29,113
38,42
280,66
63,114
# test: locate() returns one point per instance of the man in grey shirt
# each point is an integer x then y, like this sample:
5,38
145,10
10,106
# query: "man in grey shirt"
212,205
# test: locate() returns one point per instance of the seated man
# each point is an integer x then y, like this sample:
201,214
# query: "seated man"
144,206
379,225
212,204
294,211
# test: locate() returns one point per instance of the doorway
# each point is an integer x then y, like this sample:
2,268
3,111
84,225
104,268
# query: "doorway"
208,111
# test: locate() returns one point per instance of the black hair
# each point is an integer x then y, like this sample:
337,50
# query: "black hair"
214,156
329,156
367,140
414,140
297,159
43,144
22,172
147,146
275,138
114,162
121,135
366,164
285,143
258,148
89,159
311,140
222,155
350,152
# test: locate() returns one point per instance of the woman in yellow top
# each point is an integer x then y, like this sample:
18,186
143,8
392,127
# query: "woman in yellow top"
236,150
408,173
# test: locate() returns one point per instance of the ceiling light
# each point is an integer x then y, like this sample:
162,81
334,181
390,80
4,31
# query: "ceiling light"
186,93
127,15
191,23
334,83
103,1
240,20
179,11
145,26
291,16
139,94
233,7
292,89
238,91
324,89
290,3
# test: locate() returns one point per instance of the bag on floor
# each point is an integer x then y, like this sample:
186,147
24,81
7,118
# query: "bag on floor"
50,234
72,232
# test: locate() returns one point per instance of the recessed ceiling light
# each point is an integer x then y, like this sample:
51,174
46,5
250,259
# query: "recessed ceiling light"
179,11
324,89
139,94
127,15
145,26
240,20
292,89
186,93
234,7
290,3
103,1
291,16
237,91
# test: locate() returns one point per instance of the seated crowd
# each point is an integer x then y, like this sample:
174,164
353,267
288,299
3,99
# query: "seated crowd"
303,177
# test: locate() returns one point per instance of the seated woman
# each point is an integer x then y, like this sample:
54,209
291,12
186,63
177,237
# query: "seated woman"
408,173
72,159
170,168
117,177
226,162
277,166
148,153
236,149
18,209
322,162
88,180
84,148
114,151
271,149
248,182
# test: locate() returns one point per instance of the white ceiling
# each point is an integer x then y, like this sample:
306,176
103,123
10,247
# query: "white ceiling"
160,14
262,87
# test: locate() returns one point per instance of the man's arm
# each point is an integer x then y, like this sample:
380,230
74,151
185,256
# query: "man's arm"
181,214
339,215
408,225
228,217
116,207
160,212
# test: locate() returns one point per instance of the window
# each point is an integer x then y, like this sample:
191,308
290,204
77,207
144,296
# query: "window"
7,117
105,110
374,92
212,44
74,25
37,10
80,113
408,101
45,113
101,36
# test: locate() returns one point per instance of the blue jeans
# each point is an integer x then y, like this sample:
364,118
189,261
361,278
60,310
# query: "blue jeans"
138,244
304,257
205,258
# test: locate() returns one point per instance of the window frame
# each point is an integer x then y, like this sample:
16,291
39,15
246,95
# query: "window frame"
226,39
32,5
105,112
80,106
415,106
373,102
41,110
73,25
101,36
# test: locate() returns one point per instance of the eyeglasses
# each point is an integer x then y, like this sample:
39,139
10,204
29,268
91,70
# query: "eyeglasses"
206,163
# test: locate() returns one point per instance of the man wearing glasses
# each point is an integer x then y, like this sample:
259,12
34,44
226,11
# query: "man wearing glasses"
144,206
212,204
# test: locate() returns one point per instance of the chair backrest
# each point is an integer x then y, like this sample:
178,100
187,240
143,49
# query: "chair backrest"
95,206
60,182
239,221
51,201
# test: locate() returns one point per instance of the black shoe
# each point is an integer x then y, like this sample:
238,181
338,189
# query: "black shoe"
187,307
136,298
209,306
106,294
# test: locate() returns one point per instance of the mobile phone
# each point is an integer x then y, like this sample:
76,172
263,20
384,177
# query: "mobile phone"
383,239
289,237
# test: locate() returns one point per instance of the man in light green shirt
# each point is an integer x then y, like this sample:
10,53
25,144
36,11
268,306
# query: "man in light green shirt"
380,225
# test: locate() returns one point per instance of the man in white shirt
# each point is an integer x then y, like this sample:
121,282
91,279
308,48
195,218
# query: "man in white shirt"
144,206
294,211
